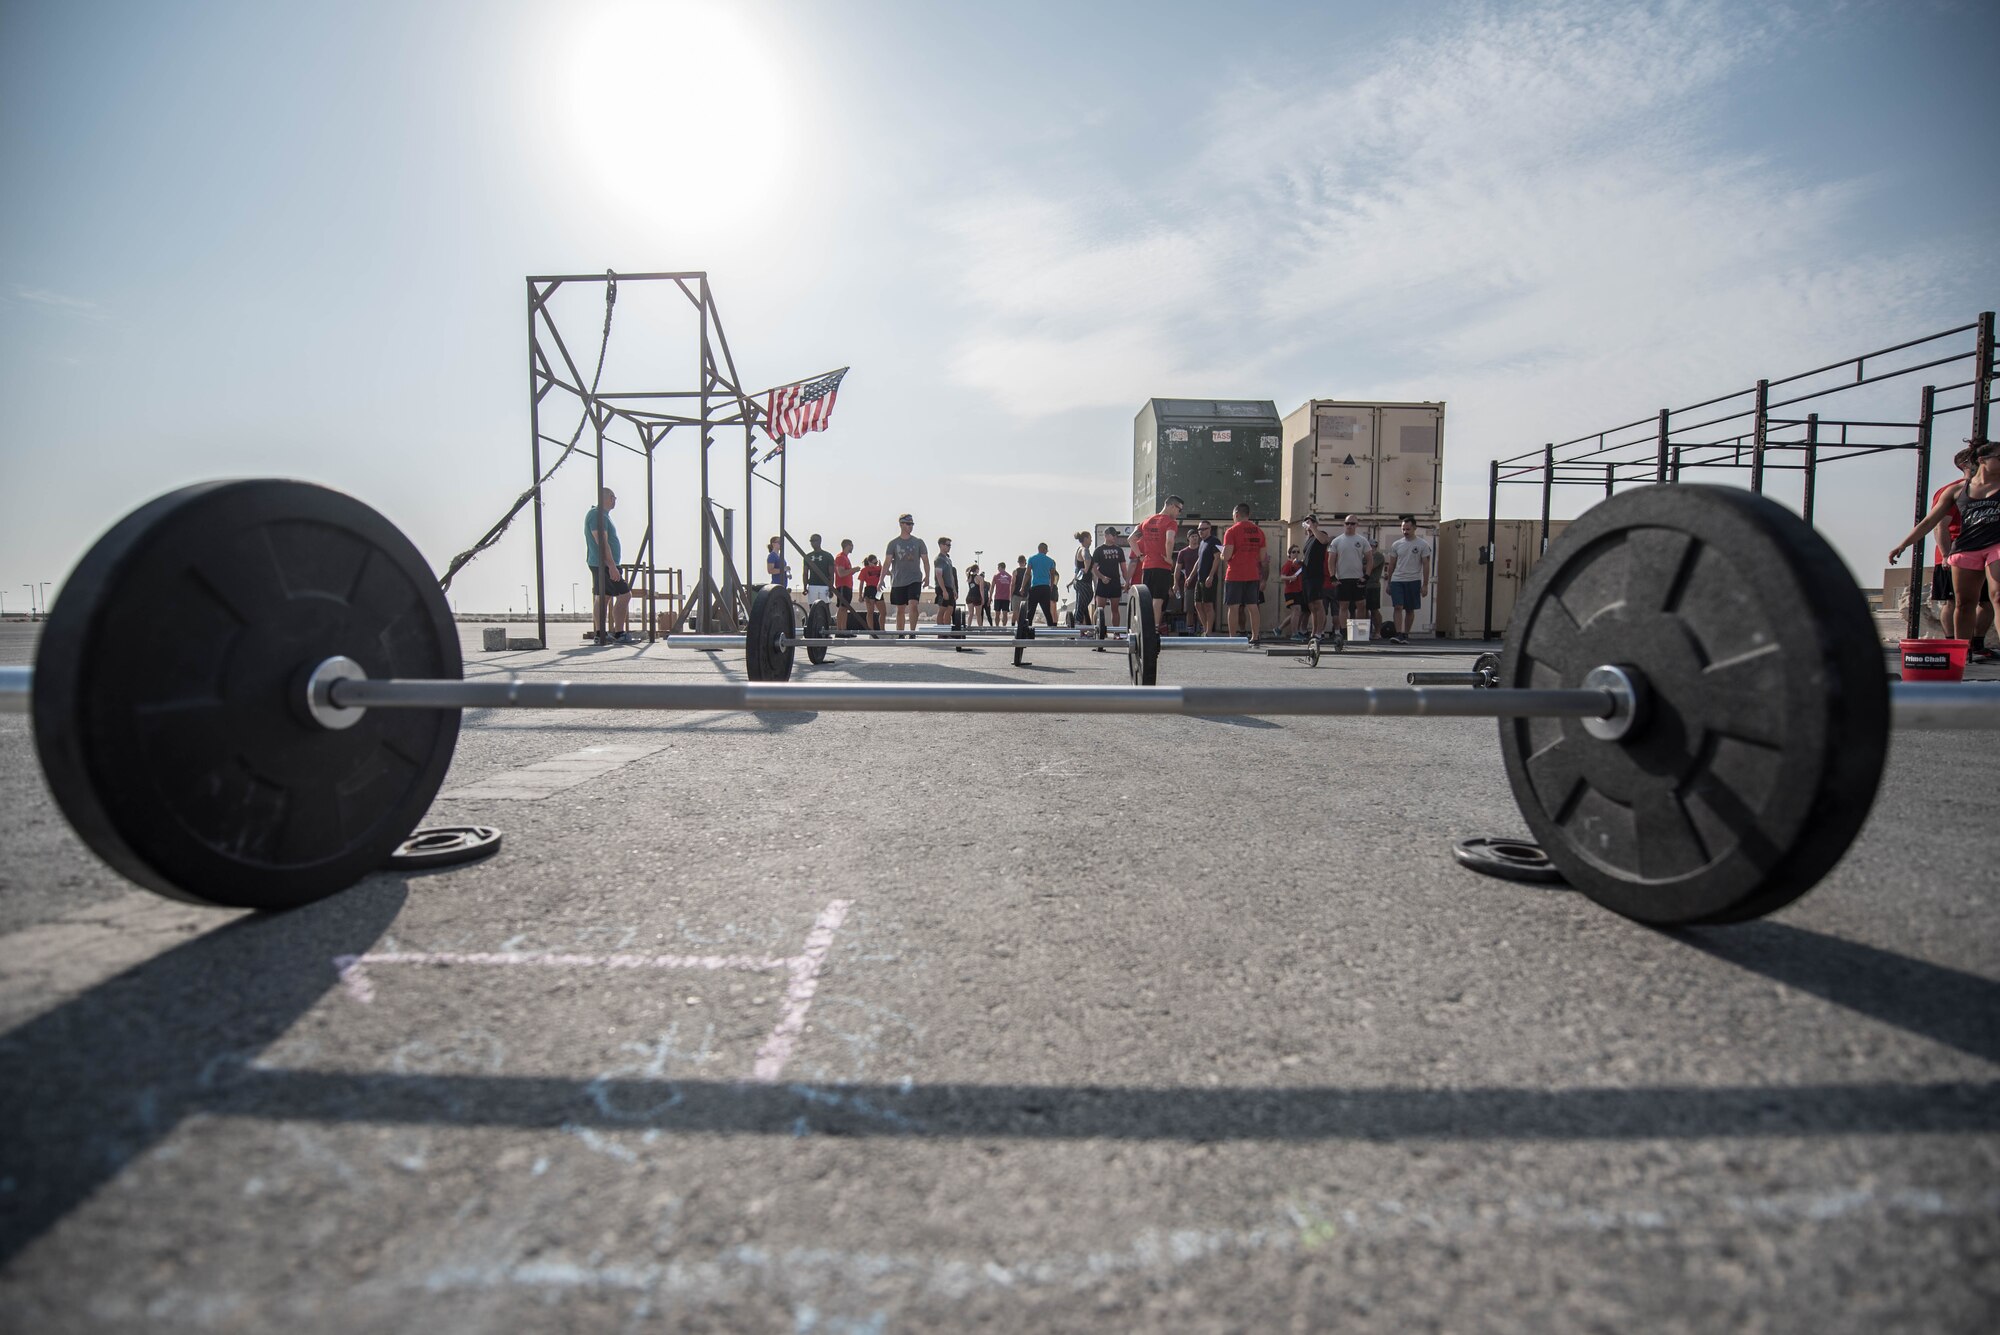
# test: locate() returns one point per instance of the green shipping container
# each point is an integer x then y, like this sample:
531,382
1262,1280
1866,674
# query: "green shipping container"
1212,453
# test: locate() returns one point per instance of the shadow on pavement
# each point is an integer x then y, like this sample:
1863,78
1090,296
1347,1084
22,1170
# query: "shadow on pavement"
92,1084
1059,1112
1960,1010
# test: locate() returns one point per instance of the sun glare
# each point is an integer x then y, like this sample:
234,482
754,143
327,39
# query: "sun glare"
678,110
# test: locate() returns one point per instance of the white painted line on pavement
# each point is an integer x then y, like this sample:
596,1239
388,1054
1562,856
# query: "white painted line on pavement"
777,1049
778,1045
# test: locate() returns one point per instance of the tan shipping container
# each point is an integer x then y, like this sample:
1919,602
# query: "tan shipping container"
1348,457
1408,478
1461,597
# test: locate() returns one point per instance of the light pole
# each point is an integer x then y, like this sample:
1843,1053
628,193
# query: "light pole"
45,595
31,600
572,595
526,607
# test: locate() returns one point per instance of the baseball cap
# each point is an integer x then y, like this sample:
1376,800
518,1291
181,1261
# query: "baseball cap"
904,519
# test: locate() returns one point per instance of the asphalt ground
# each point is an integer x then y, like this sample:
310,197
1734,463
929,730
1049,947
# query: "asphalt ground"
845,1022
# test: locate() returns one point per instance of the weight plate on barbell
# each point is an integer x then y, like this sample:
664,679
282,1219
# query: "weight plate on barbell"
1487,668
1766,719
444,846
767,652
1142,639
169,700
818,626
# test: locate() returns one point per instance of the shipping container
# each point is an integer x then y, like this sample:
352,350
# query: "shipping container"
1212,453
1345,457
1461,599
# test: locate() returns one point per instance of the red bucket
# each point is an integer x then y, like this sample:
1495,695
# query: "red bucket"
1934,660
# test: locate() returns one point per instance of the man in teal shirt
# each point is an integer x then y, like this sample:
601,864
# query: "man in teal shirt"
609,593
1041,586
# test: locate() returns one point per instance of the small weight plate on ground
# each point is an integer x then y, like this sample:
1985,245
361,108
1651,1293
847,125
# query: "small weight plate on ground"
1142,639
1766,720
444,846
818,624
1509,859
767,653
1023,630
1312,652
1487,668
169,700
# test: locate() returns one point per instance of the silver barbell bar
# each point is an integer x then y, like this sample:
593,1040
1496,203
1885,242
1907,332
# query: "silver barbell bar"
338,686
1116,644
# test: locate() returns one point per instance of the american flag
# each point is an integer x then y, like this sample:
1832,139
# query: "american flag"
793,410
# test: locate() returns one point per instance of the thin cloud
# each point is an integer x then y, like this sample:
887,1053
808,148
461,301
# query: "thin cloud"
1517,211
57,301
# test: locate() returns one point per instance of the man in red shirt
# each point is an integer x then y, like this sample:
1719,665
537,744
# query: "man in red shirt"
1941,590
843,580
1153,549
1245,567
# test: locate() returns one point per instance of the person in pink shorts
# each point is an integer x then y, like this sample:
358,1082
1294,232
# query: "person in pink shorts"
1975,556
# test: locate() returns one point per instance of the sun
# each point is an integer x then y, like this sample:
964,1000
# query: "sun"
679,109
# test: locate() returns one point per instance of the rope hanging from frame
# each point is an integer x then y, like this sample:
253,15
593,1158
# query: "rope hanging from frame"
499,529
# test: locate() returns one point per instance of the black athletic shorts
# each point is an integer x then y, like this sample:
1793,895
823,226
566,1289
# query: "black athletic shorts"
605,584
1941,590
1349,591
1296,599
1374,595
1108,588
843,597
1315,590
1002,604
945,598
1242,592
1159,583
907,593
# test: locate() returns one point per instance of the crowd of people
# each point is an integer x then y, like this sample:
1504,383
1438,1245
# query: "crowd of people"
1203,582
1206,583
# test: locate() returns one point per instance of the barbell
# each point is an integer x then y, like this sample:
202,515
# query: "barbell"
248,694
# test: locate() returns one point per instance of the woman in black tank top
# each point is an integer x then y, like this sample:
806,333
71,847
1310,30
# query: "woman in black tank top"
1976,554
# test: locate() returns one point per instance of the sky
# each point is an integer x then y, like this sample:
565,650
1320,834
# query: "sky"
243,239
